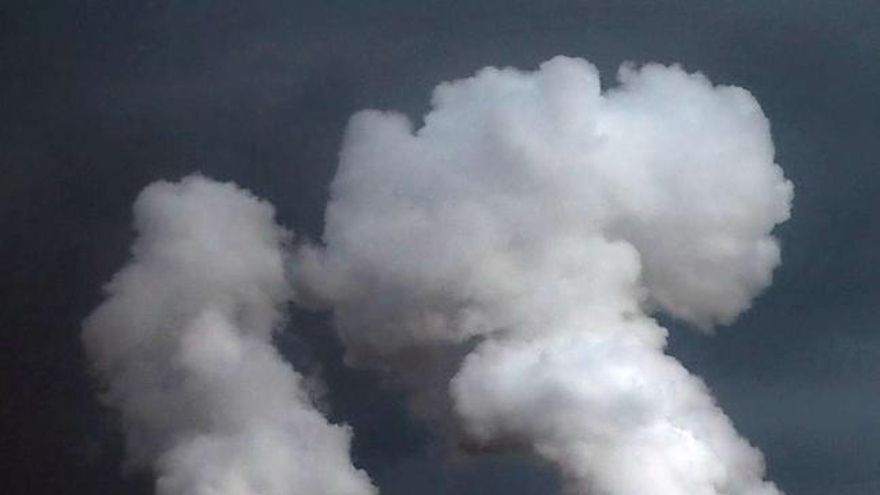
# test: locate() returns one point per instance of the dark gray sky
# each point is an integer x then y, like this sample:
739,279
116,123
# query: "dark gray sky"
99,98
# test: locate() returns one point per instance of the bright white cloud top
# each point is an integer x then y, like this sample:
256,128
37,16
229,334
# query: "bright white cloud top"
534,223
543,221
184,346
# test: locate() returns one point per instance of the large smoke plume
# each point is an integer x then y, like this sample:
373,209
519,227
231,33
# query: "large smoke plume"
523,238
540,221
184,346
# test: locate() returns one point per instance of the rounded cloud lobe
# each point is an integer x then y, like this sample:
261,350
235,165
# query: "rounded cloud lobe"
542,221
183,345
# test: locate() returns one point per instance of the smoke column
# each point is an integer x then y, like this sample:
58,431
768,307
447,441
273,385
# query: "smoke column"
184,346
540,221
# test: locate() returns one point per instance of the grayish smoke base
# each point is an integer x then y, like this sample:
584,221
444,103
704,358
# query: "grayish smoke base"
542,221
183,344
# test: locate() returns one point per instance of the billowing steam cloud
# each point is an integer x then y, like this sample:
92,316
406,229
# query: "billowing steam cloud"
184,343
533,224
541,221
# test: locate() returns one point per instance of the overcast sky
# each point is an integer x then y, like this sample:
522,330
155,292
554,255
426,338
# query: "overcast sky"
100,98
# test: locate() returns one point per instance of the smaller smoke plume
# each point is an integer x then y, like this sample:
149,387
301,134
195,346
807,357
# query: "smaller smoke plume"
183,344
538,222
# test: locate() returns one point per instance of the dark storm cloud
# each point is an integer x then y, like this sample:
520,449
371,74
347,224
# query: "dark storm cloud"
100,98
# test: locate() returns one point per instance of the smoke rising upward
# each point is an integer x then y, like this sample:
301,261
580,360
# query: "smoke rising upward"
543,221
183,343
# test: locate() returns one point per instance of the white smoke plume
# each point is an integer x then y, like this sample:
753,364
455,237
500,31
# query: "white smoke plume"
542,221
184,346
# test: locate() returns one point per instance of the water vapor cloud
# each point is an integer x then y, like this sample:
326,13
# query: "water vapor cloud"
506,260
542,221
183,346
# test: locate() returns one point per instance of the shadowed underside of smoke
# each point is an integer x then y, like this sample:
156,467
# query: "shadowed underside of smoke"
538,222
183,345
